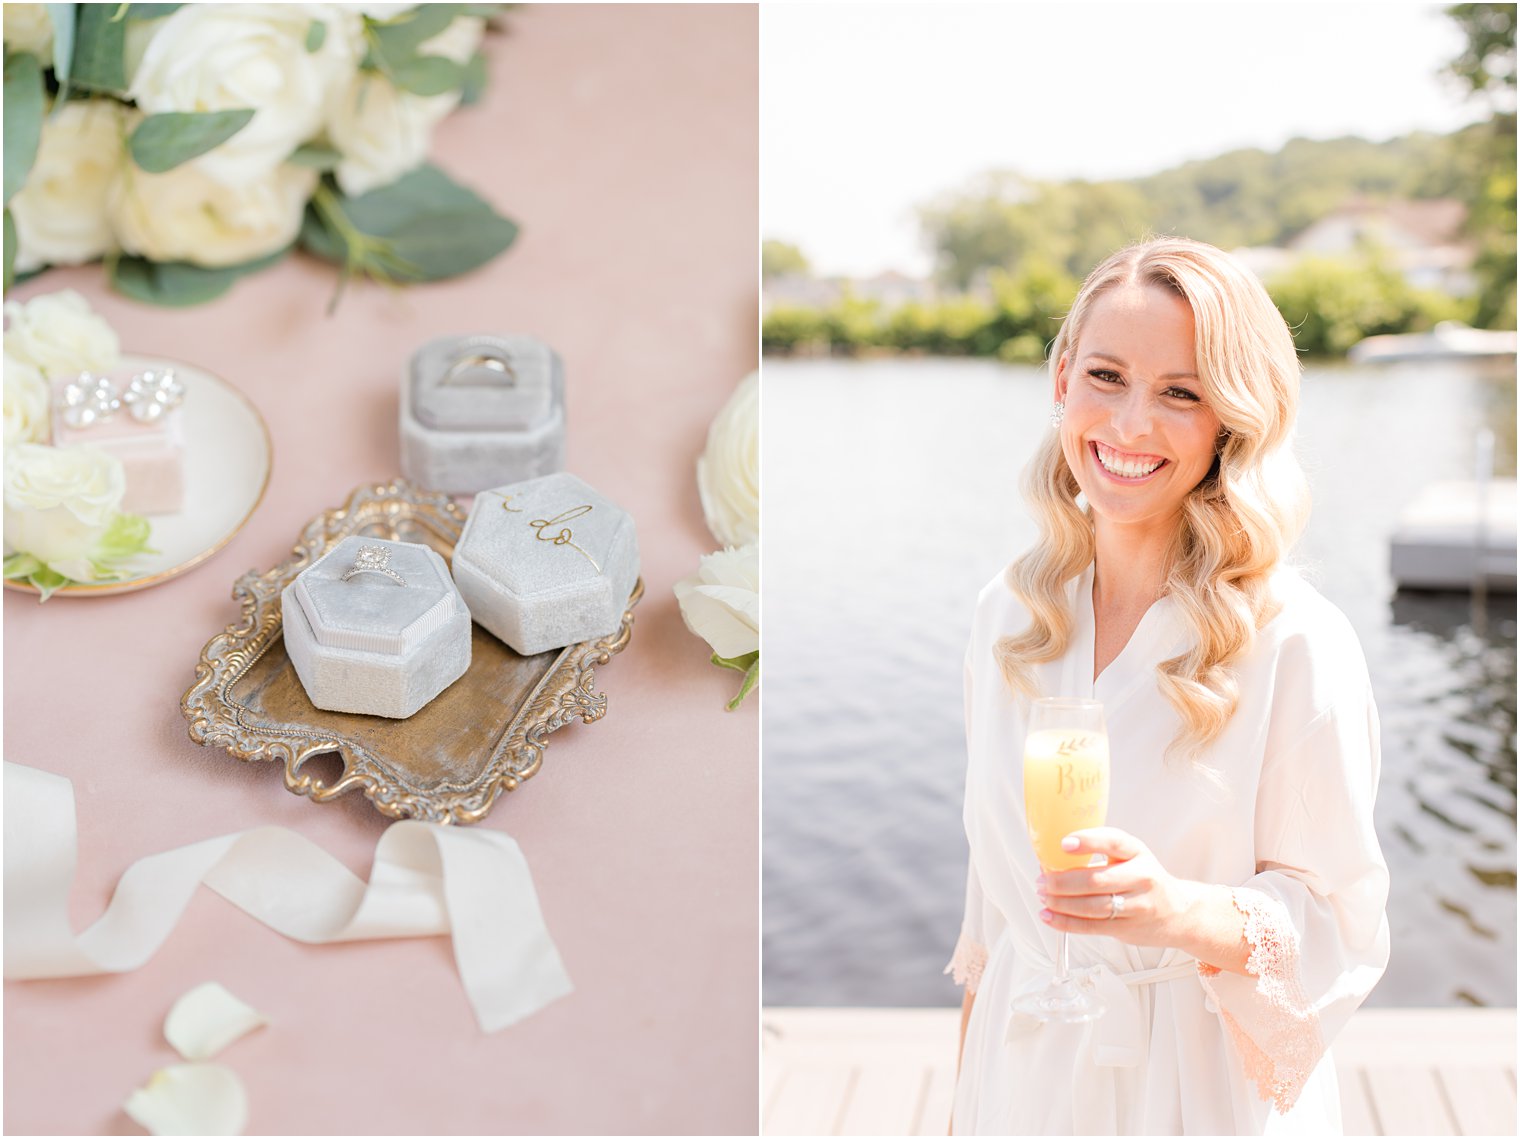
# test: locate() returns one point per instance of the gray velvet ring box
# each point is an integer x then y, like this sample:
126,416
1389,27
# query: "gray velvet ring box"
480,411
370,644
546,563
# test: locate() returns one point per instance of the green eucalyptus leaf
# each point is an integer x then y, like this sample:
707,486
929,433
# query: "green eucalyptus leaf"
404,33
178,284
427,75
162,142
99,50
63,19
315,156
23,118
10,249
151,11
473,82
316,33
432,225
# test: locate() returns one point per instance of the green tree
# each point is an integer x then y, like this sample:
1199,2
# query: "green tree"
782,259
1487,66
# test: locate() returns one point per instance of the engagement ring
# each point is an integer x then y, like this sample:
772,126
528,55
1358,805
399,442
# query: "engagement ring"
373,559
1115,906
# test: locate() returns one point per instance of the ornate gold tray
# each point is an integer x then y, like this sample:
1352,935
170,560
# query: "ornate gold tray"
483,735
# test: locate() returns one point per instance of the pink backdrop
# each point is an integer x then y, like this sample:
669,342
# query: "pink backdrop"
624,141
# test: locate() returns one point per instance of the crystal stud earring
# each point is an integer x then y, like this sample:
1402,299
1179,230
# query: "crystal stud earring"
89,400
152,394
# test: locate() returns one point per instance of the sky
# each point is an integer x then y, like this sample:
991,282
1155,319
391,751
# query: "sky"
871,109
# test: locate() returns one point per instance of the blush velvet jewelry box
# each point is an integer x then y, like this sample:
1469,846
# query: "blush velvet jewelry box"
546,563
480,411
376,627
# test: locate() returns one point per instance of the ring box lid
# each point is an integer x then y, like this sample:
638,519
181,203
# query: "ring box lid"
549,535
474,383
369,611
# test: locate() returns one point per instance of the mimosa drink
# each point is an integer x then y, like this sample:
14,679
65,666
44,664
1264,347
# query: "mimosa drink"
1065,790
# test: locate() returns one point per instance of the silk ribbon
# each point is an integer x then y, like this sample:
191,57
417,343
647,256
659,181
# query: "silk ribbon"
426,880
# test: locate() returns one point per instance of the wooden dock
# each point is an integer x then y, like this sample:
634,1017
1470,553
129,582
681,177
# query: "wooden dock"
892,1071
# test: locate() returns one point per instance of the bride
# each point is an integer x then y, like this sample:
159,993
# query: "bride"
1239,919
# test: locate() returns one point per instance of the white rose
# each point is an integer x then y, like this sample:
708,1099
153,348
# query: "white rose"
721,601
217,57
60,213
382,131
59,335
59,503
728,473
186,215
26,403
28,28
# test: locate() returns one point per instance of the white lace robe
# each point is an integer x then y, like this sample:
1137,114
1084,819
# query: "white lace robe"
1182,1049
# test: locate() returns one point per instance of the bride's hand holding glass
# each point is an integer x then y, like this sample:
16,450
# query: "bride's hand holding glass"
1132,899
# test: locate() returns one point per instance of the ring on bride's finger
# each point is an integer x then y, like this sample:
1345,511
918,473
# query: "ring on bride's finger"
1115,906
373,559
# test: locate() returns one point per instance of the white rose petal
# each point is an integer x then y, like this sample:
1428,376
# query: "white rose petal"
28,28
59,503
728,473
191,1099
721,601
186,215
217,57
27,415
207,1019
60,213
59,335
382,131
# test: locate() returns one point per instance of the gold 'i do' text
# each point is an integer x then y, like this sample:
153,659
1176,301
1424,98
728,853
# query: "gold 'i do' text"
564,536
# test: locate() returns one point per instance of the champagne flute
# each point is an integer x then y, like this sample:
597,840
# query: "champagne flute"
1065,790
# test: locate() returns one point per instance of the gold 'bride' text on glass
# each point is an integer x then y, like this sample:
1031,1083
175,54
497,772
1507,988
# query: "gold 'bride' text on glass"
1065,790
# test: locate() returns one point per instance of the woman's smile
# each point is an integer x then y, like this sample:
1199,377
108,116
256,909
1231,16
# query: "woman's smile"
1125,466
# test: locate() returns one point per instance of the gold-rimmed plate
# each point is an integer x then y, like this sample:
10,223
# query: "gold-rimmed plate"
448,763
228,455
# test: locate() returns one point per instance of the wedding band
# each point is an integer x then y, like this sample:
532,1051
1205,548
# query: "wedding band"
373,559
1115,906
487,360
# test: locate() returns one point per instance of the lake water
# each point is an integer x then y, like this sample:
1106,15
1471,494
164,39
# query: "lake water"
891,497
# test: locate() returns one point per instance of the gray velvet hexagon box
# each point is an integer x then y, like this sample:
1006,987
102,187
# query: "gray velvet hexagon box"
546,563
481,411
370,644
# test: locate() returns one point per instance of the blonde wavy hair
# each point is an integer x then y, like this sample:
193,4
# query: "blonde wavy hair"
1237,524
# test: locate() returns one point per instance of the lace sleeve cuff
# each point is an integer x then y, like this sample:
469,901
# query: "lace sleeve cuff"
967,963
1275,1030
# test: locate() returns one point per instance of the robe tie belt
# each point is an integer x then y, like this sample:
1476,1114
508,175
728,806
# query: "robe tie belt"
1119,1038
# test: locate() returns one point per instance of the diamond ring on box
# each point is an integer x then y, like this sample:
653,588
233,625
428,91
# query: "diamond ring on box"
373,559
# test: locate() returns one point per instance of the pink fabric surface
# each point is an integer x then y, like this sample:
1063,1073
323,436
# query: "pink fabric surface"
624,141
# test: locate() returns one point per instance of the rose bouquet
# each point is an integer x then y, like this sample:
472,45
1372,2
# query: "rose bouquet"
63,517
188,144
721,601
